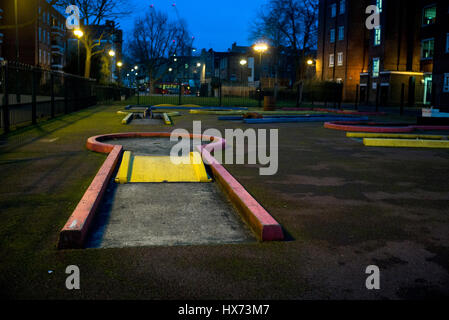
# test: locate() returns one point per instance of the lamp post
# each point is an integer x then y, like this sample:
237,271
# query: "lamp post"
119,65
260,48
243,63
111,54
78,33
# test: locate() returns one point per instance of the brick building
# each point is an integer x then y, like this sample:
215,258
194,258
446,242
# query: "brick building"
408,49
342,38
42,41
440,78
1,34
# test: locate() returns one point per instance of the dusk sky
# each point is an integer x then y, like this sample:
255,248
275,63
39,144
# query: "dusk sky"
215,24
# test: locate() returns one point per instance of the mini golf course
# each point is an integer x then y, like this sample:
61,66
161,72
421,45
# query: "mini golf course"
131,203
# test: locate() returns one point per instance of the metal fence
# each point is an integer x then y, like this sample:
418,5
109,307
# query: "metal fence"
30,94
228,95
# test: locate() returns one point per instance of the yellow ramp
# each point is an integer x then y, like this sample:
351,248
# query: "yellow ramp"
161,169
404,143
393,135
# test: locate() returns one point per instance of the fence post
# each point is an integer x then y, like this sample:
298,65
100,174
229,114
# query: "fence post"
52,92
357,97
220,94
6,100
401,110
377,97
340,95
66,94
33,96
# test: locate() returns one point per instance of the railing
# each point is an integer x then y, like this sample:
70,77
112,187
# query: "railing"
29,94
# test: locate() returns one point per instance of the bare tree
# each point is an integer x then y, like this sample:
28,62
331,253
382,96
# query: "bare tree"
291,24
155,39
92,14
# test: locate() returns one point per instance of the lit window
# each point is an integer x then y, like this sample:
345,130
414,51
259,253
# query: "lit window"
331,60
377,36
340,59
342,6
333,10
379,5
427,47
341,33
446,82
332,35
376,67
429,15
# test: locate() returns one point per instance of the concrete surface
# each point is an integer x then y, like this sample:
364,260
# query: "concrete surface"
163,214
154,214
147,146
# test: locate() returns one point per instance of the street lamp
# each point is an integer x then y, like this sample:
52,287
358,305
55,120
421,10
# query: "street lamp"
243,62
78,33
136,67
260,47
119,65
111,53
198,64
310,62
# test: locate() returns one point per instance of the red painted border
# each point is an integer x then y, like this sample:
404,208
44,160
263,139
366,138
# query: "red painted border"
75,230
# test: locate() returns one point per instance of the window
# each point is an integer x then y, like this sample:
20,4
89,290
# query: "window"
377,36
40,55
447,42
342,6
340,59
331,60
379,5
446,83
40,34
376,67
332,35
49,57
427,48
429,15
333,10
43,57
341,33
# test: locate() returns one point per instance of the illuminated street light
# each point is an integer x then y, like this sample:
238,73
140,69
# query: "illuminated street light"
260,47
170,69
111,53
127,74
198,64
243,62
78,33
310,62
136,67
119,64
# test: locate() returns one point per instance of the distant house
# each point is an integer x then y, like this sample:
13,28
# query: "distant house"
41,43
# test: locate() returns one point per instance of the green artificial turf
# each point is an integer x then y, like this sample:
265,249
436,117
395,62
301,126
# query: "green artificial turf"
343,207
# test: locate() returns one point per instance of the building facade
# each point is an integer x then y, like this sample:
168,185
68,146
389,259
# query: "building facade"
440,77
342,39
41,38
402,59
